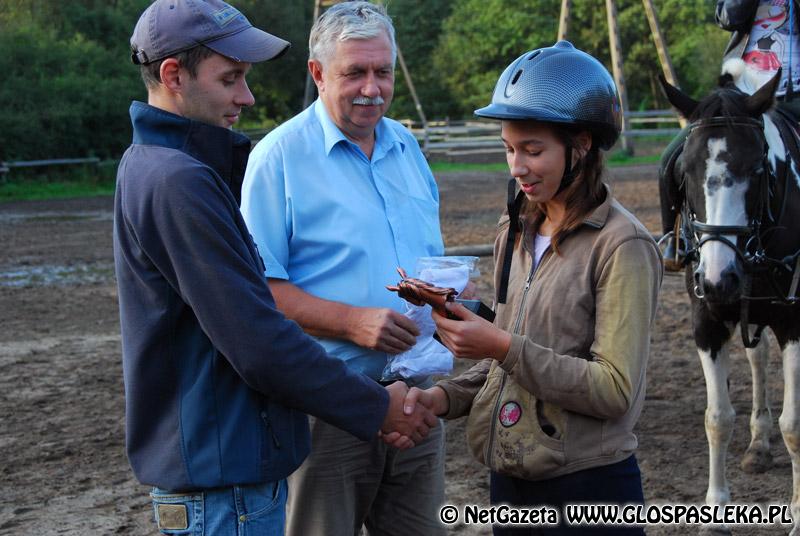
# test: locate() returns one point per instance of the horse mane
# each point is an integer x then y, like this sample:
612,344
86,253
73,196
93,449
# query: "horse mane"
726,100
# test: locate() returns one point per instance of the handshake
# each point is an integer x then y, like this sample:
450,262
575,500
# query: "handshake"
411,414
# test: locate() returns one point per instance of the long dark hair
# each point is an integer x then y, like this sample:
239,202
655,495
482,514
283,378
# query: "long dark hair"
585,193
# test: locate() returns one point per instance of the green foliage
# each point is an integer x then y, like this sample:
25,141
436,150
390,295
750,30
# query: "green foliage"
278,85
617,159
696,44
27,190
63,97
54,182
461,167
418,25
481,37
68,80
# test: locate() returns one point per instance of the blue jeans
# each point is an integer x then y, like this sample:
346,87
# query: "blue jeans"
258,509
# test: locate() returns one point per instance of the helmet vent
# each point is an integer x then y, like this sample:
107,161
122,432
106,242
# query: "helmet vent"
535,53
516,77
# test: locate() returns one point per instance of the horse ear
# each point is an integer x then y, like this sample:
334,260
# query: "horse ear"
680,100
763,99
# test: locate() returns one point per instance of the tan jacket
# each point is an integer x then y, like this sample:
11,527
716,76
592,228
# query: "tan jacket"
572,385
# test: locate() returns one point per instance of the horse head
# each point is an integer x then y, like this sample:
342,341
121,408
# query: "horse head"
724,170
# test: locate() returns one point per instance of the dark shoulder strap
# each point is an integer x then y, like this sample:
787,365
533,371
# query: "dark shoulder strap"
513,203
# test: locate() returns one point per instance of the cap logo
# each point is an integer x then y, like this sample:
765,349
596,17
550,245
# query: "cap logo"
223,17
510,414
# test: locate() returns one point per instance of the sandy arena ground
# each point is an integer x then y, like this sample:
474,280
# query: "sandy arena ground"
62,462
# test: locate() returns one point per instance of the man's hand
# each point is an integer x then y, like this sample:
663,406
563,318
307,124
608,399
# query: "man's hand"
384,330
471,337
404,429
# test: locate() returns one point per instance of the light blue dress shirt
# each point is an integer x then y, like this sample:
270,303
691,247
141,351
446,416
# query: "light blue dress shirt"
338,224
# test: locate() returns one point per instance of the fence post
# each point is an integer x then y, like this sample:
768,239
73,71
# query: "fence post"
619,77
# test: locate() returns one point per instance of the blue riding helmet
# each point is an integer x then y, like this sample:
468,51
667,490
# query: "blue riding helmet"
559,84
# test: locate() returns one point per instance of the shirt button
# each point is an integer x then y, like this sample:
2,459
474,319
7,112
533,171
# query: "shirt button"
242,518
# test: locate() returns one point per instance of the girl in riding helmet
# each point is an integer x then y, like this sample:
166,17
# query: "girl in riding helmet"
560,381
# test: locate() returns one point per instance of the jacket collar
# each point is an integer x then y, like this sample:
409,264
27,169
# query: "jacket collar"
598,217
221,149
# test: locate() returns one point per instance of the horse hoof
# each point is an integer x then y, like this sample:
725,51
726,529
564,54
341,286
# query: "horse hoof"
756,461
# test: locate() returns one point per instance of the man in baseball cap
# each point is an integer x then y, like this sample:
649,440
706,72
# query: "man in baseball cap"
167,28
217,380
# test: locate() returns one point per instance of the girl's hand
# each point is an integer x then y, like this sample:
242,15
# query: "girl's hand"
470,292
472,337
434,398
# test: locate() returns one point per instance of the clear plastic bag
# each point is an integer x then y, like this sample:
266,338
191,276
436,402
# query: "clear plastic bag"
428,356
447,267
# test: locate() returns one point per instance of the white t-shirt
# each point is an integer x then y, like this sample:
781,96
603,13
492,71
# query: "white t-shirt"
540,245
768,46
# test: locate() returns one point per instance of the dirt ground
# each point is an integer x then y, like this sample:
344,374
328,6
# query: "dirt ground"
62,461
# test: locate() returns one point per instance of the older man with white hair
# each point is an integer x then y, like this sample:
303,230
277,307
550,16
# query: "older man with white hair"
337,198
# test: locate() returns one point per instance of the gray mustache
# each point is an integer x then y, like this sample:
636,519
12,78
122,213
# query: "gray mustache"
367,101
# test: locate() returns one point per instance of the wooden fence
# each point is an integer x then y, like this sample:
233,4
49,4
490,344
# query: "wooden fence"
454,139
6,167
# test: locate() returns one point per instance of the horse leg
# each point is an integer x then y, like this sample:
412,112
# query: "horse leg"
789,422
758,459
719,422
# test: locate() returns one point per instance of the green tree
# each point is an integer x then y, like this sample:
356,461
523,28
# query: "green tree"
481,37
68,79
62,97
418,25
278,85
694,42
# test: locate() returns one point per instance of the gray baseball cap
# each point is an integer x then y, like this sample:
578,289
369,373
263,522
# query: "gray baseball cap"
168,27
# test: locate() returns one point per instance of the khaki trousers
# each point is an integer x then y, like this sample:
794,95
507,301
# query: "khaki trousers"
346,483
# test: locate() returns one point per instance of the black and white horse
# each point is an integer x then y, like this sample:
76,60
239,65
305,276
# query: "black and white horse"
741,222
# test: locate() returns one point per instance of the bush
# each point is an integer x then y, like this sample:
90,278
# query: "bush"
63,97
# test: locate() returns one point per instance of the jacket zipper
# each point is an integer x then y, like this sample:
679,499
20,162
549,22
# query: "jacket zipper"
268,423
528,281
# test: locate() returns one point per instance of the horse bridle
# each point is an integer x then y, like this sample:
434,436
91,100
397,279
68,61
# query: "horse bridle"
753,251
753,255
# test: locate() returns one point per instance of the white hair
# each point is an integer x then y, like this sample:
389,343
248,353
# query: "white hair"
349,20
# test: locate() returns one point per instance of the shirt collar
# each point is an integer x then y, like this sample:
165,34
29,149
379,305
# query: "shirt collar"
385,137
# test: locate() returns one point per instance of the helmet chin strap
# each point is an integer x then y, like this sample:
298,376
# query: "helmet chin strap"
569,172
